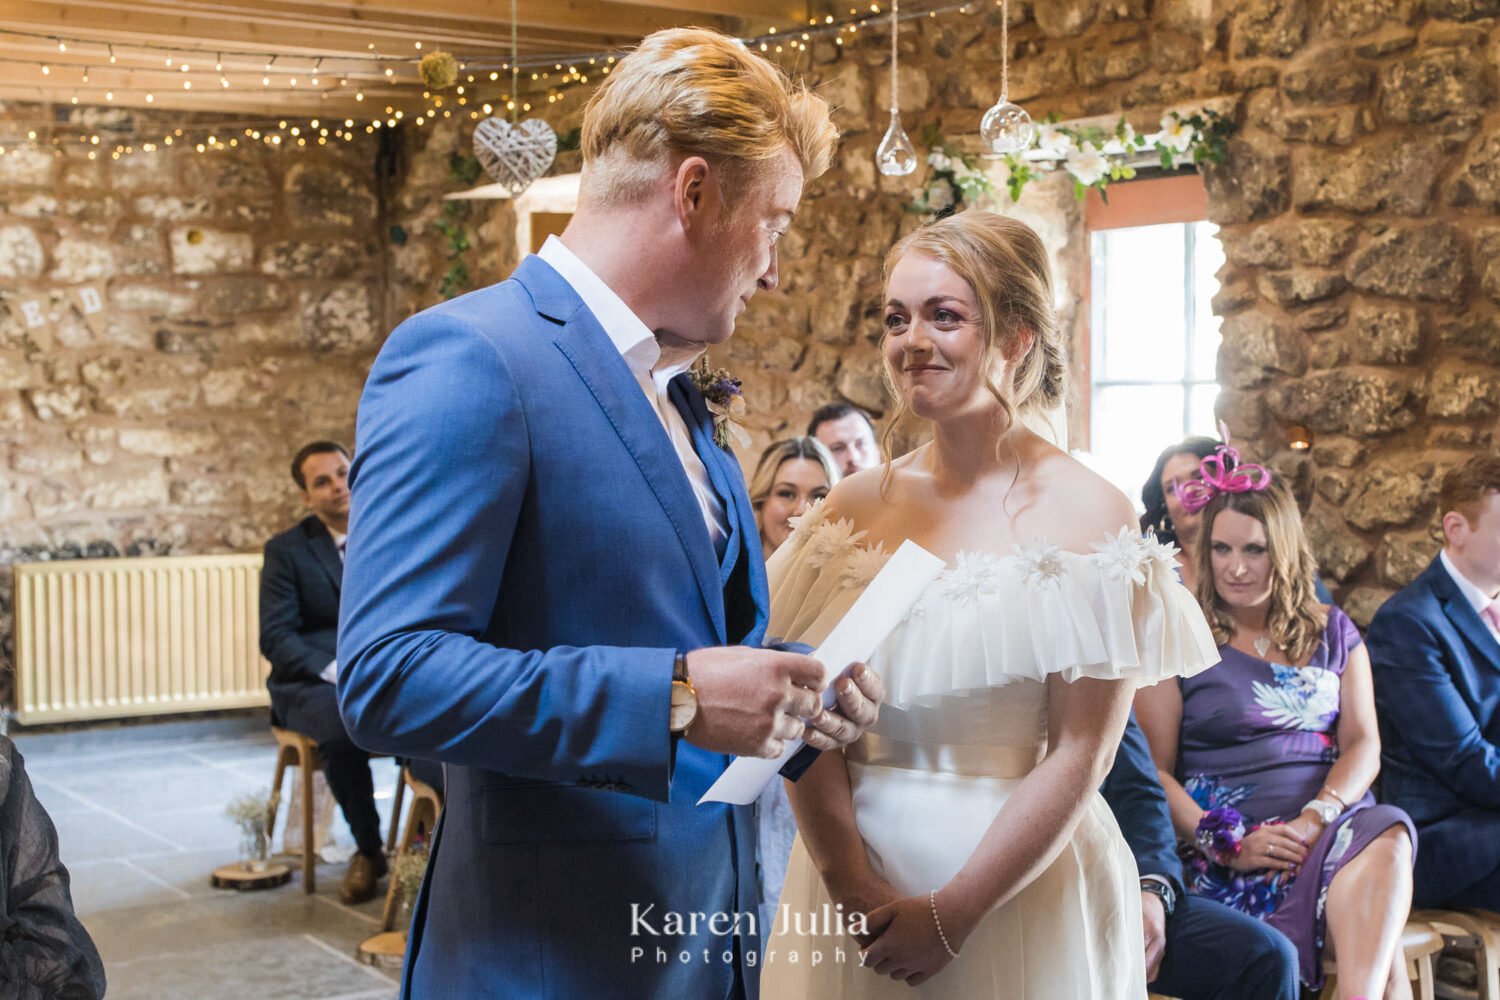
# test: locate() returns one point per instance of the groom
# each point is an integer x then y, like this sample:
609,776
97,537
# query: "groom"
554,583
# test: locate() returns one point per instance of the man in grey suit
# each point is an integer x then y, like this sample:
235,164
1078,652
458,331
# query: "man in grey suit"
299,616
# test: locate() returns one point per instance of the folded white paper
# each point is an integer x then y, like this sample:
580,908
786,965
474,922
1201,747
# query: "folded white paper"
853,640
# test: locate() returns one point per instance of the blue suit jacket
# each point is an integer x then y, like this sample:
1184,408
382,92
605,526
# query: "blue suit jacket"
299,609
1437,691
526,557
1135,796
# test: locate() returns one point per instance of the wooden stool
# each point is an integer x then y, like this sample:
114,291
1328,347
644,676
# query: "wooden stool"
388,948
1477,931
1420,942
293,747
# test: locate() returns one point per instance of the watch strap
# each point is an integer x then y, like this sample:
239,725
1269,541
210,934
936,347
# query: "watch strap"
1162,891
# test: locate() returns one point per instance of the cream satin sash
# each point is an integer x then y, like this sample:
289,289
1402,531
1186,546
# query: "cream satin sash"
969,761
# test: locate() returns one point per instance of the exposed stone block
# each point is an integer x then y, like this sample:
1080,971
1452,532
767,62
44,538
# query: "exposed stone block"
1431,84
21,253
198,250
1385,333
1389,493
1397,176
320,195
1349,401
1417,262
75,261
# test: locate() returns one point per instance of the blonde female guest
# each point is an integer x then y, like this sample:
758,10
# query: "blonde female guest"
1267,759
966,824
790,476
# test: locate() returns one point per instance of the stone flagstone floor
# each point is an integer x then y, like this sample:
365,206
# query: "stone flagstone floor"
140,815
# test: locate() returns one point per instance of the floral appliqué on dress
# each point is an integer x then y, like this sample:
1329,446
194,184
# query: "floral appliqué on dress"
973,573
863,565
1041,565
1123,557
830,539
805,522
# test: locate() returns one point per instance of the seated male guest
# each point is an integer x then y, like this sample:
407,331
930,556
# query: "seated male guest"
849,434
1196,949
299,617
1435,648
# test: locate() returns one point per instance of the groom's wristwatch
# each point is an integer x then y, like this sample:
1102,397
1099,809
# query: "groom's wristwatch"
1162,891
684,698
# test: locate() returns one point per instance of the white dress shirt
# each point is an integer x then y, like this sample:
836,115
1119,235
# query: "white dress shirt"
637,345
1478,598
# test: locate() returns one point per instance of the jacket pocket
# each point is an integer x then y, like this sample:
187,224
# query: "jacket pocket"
518,814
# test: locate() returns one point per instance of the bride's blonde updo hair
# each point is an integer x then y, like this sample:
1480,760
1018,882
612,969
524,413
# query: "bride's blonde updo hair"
1006,265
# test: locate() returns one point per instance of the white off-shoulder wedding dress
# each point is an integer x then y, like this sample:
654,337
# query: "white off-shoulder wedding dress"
965,720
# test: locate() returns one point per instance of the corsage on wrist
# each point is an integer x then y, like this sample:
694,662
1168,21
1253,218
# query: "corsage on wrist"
1220,833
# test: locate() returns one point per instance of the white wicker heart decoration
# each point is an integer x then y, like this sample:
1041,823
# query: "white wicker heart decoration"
515,155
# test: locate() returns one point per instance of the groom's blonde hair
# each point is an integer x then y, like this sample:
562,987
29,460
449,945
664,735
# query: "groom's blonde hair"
695,92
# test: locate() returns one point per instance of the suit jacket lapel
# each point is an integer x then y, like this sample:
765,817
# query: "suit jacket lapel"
1462,614
591,353
327,554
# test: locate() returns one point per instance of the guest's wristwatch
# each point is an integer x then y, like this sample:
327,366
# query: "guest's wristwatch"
1325,811
684,697
1162,891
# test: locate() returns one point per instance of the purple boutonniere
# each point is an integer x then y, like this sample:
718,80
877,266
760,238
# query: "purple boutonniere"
726,401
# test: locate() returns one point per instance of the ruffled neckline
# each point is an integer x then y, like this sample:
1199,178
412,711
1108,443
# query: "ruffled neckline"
1126,556
991,618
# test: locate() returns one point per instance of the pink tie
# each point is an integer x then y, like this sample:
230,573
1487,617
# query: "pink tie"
1491,614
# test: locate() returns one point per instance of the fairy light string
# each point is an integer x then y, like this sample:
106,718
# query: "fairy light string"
558,72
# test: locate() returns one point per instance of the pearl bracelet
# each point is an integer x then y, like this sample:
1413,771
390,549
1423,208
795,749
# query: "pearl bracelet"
932,900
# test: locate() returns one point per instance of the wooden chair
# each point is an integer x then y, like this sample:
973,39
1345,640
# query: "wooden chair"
426,805
1475,931
1420,944
388,948
296,748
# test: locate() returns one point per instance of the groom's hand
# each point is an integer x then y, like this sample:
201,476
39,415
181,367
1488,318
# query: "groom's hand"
751,701
858,708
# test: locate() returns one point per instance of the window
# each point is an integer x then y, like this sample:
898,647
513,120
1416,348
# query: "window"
1153,337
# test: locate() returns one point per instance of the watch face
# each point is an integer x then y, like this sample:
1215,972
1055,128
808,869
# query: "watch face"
684,707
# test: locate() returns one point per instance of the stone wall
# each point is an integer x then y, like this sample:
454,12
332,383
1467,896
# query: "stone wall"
245,294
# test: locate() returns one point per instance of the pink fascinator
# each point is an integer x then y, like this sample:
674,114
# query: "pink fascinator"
1221,472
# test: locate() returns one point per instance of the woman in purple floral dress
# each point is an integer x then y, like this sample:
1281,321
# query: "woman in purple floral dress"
1268,757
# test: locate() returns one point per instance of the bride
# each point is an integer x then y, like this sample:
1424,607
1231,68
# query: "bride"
966,824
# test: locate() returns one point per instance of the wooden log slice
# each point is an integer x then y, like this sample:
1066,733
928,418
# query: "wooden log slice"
384,951
234,876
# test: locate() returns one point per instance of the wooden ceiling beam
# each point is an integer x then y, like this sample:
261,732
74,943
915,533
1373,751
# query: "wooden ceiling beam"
771,11
454,22
623,18
248,110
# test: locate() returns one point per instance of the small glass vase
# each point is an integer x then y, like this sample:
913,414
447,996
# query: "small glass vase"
255,850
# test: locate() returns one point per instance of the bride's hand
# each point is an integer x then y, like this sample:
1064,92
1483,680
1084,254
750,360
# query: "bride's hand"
864,895
906,946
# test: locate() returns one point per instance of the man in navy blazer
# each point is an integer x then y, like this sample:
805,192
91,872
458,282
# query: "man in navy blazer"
299,614
1196,949
1435,650
554,582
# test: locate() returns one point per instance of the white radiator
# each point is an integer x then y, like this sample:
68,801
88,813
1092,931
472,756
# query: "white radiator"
114,638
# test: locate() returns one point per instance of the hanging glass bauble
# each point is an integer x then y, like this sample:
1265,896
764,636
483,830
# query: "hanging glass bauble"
895,157
1007,128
